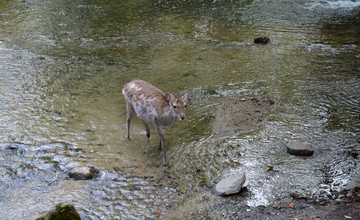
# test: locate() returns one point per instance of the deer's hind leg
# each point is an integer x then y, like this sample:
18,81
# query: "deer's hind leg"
130,114
147,129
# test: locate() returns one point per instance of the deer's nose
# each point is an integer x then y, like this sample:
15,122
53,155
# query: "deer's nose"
182,117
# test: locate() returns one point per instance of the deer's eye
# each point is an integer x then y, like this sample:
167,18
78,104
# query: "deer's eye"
185,106
174,106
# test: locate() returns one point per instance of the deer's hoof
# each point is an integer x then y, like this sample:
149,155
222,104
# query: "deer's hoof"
148,135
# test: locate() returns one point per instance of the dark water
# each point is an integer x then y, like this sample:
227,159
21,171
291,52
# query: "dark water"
63,64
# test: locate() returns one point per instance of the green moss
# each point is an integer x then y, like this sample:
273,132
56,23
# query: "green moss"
61,211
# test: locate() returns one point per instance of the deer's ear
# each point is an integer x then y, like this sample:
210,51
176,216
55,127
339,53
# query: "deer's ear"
187,97
170,98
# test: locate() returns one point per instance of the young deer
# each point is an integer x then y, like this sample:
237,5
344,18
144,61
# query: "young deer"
154,107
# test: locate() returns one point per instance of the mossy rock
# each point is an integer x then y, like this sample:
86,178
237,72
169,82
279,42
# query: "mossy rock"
60,212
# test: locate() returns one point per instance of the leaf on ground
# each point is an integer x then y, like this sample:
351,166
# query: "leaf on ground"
269,168
291,205
238,163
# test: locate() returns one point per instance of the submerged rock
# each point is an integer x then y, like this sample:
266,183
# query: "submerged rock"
61,211
262,40
14,148
83,173
300,148
230,185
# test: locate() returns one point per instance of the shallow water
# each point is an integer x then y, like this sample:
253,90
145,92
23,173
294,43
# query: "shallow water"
63,64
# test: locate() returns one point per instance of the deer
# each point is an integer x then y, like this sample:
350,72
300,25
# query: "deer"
154,107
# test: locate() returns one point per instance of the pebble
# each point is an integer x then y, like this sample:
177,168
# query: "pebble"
262,40
341,196
349,194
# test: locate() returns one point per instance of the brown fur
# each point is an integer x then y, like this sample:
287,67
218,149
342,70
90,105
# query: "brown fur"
153,106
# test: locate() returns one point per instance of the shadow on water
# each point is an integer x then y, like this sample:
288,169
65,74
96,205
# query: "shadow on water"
63,64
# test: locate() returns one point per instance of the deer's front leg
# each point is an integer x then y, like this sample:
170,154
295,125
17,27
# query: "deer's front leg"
160,132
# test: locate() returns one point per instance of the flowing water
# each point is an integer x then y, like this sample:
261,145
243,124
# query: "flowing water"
63,64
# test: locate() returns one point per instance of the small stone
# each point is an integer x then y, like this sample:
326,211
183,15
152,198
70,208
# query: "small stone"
341,196
83,173
338,200
300,148
262,40
230,185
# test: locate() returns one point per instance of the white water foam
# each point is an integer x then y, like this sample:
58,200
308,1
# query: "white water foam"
334,4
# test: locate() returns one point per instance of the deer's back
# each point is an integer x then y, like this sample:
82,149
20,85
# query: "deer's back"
147,101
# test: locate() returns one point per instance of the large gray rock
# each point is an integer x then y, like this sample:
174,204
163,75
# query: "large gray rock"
60,212
354,183
230,185
83,173
300,148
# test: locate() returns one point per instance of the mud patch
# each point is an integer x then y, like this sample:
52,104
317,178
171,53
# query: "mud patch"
241,115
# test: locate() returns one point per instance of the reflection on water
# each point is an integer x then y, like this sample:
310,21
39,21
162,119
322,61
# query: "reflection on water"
63,64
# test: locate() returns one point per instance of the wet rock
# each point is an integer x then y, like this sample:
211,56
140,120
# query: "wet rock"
300,148
355,155
262,40
230,185
83,173
354,183
14,148
61,211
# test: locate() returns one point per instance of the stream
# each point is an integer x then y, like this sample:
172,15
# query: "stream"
63,65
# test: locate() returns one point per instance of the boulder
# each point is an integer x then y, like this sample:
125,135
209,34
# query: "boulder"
83,173
300,148
61,211
230,185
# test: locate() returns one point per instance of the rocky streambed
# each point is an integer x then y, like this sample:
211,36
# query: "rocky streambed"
61,172
246,114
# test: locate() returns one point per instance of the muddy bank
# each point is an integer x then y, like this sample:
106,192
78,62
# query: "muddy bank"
241,115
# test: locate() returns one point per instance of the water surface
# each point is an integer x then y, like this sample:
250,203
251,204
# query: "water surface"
63,65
